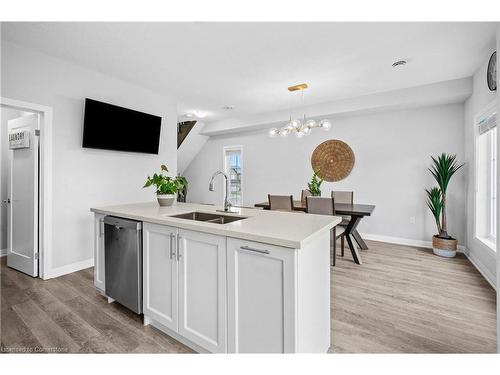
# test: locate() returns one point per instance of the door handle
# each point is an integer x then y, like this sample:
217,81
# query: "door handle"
248,248
172,253
6,200
179,256
101,227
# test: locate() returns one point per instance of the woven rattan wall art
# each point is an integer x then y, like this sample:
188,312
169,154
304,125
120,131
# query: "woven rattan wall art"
332,160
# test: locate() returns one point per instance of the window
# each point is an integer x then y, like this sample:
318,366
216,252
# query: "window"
486,178
232,167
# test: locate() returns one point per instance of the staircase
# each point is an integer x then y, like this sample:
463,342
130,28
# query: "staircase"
190,142
183,129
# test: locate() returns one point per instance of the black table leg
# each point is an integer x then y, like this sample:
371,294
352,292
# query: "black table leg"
349,231
355,255
359,240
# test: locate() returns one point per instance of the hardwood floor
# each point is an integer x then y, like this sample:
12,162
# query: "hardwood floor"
68,315
401,300
407,300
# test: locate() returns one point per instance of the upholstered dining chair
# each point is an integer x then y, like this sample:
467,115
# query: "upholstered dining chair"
344,197
305,193
280,202
326,206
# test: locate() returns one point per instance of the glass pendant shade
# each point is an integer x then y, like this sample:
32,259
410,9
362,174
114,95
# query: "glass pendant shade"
311,123
325,124
273,132
283,132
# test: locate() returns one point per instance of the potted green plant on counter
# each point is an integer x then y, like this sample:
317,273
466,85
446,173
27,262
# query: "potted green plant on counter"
315,184
166,187
442,169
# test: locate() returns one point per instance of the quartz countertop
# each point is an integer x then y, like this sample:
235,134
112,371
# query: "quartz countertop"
288,229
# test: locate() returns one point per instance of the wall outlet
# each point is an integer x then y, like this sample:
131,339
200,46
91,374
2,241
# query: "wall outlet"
412,219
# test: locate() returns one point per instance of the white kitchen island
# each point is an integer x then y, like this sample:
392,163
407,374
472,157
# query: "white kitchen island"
257,285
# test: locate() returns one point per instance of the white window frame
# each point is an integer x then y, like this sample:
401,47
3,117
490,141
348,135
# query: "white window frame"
490,242
239,148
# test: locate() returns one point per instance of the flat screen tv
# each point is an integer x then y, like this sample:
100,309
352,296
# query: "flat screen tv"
110,127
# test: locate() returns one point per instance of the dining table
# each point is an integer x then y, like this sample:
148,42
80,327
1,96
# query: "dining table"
356,212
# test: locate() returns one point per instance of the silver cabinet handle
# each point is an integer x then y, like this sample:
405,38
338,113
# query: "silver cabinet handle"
6,200
255,250
172,254
179,247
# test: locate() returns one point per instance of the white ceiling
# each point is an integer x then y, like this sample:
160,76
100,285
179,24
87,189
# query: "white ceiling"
249,65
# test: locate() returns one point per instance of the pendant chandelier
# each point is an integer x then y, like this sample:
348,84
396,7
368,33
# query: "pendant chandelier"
302,126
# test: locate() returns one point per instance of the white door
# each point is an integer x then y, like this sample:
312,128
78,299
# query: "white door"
22,203
202,289
261,301
160,274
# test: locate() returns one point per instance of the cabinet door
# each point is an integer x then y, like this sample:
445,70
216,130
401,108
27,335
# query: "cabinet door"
160,274
99,252
261,298
202,289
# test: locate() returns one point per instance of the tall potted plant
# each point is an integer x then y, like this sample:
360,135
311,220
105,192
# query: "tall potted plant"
442,169
166,187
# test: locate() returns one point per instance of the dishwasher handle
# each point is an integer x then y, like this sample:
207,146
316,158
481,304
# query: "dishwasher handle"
121,223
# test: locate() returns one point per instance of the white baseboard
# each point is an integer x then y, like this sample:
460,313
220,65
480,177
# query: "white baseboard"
483,270
70,268
402,241
3,253
397,240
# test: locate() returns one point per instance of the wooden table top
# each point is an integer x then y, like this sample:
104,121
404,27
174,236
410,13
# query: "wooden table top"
340,208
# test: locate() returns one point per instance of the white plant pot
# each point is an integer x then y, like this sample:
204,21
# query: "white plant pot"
444,247
165,199
445,253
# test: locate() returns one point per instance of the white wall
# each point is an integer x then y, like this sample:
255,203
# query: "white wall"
481,255
392,151
84,178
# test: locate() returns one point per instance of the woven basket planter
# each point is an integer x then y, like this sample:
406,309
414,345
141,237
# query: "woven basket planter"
444,247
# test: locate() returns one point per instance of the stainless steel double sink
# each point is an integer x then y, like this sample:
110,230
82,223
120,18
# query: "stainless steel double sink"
208,217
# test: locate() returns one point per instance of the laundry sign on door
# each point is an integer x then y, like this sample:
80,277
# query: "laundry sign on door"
19,139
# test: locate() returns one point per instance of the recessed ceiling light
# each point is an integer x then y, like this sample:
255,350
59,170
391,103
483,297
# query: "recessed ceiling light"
200,114
399,63
196,114
228,107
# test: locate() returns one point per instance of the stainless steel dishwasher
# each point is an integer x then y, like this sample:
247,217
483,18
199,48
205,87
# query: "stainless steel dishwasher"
123,261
